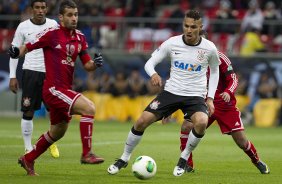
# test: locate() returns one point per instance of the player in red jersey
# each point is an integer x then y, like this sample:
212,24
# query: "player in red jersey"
227,115
61,46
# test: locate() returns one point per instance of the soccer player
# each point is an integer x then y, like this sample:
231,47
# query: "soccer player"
61,45
227,115
33,70
190,56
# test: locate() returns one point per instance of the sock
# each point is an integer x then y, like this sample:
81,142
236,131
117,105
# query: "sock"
251,152
183,141
133,139
86,127
27,128
193,140
42,144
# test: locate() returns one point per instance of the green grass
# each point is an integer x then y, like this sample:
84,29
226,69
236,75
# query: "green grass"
217,159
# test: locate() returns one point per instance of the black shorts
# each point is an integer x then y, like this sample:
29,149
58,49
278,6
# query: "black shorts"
32,83
167,103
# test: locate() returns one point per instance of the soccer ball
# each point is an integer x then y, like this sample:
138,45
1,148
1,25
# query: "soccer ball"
144,167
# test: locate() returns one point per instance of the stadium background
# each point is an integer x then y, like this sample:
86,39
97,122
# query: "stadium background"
127,31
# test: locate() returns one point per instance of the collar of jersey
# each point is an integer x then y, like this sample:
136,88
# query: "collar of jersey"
199,42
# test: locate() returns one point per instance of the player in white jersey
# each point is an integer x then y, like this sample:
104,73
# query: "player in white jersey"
186,89
33,70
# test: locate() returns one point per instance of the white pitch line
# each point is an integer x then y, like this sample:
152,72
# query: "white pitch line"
71,144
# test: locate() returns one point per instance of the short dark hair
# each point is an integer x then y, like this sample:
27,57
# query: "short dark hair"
34,1
194,14
66,4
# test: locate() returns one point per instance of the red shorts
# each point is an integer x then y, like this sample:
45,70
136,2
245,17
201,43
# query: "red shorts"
59,101
228,121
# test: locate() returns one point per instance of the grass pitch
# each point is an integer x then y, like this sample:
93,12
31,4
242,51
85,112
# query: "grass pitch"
217,159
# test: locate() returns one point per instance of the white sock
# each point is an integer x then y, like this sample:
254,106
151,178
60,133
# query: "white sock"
191,144
131,142
27,128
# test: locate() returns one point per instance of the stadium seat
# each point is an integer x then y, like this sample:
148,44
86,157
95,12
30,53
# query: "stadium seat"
266,112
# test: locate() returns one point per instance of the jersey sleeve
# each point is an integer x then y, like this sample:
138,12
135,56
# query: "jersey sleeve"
157,56
18,40
230,77
214,73
83,54
42,39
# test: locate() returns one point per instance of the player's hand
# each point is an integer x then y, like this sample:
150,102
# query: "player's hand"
225,96
210,106
14,85
98,60
14,52
166,120
156,80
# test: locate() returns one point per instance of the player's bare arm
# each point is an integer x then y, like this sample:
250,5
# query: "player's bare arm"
14,85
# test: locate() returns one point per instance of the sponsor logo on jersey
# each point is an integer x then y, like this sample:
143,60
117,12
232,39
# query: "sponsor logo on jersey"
68,62
26,101
155,104
186,66
237,124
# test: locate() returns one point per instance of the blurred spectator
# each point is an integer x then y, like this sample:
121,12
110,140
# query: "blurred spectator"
3,23
270,13
253,18
263,84
176,13
251,43
267,87
109,31
225,12
100,84
120,84
242,84
136,84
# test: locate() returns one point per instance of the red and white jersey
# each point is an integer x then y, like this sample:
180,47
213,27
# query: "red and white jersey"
61,47
228,82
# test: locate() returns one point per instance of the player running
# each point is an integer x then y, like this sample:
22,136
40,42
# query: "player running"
190,56
227,115
33,70
61,46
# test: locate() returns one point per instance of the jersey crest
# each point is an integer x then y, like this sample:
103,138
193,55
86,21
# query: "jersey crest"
201,55
155,104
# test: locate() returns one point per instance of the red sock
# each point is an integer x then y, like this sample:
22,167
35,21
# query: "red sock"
183,141
86,126
42,144
251,152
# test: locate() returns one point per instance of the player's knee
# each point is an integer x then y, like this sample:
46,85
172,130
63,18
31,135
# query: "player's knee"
141,124
28,115
89,109
186,126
